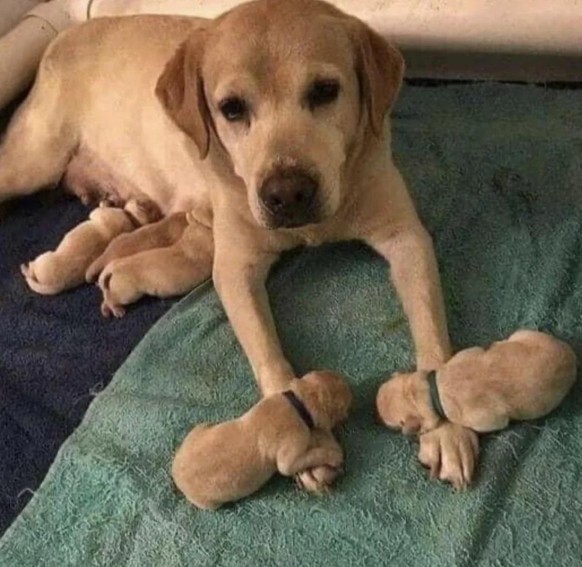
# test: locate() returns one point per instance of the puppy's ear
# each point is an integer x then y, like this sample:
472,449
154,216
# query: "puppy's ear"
181,91
380,69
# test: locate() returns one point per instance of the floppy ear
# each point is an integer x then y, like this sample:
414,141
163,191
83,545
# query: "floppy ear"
181,91
380,68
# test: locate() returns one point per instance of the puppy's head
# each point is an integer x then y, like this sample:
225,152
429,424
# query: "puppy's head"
328,397
286,89
111,220
395,404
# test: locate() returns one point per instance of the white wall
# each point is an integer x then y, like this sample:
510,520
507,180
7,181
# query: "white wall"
532,40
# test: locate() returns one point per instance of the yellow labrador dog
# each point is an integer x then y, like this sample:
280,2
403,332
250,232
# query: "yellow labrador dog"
269,125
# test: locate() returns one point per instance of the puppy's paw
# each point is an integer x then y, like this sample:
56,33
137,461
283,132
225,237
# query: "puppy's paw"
450,452
318,480
110,306
112,310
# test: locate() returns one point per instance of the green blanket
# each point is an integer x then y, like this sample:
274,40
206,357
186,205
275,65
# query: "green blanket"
497,174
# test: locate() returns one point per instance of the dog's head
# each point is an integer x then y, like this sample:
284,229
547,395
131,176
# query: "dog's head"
286,88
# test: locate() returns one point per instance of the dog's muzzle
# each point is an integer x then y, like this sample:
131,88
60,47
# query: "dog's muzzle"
289,196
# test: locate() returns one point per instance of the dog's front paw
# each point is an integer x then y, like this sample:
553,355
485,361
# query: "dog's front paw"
318,480
450,452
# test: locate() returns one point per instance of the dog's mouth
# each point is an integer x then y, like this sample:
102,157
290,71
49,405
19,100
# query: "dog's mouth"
274,222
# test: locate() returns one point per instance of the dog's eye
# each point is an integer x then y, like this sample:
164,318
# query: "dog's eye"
233,109
322,92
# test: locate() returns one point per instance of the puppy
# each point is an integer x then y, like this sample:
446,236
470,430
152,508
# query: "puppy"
181,248
161,234
54,272
523,377
288,433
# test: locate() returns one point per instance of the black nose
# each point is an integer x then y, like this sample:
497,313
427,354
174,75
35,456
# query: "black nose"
289,196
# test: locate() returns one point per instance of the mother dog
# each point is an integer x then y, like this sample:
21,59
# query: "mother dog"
269,126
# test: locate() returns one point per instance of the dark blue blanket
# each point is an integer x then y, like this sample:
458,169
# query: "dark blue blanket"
54,351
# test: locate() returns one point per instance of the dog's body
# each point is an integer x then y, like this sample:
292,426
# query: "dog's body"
269,126
523,377
228,461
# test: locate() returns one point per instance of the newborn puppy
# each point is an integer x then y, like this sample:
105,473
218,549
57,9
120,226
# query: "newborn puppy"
523,377
287,432
54,272
185,256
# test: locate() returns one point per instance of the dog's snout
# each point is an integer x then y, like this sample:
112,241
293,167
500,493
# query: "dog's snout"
289,197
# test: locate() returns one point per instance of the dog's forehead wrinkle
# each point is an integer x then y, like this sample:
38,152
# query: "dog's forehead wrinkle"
234,84
267,41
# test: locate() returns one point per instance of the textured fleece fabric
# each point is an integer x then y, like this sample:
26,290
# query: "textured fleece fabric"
497,174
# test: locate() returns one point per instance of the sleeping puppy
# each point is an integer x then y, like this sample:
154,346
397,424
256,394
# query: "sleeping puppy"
161,234
523,377
54,272
288,432
181,248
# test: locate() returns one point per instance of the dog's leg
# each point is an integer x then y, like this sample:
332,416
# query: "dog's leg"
161,234
37,145
449,450
416,279
30,159
161,272
239,279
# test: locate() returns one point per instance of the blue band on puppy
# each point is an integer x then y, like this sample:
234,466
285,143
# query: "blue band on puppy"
300,407
435,398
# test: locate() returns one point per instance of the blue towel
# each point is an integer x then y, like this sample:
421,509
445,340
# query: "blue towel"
55,352
497,173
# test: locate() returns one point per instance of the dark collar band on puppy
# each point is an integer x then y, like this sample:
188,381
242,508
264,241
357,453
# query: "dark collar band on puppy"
434,394
300,407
